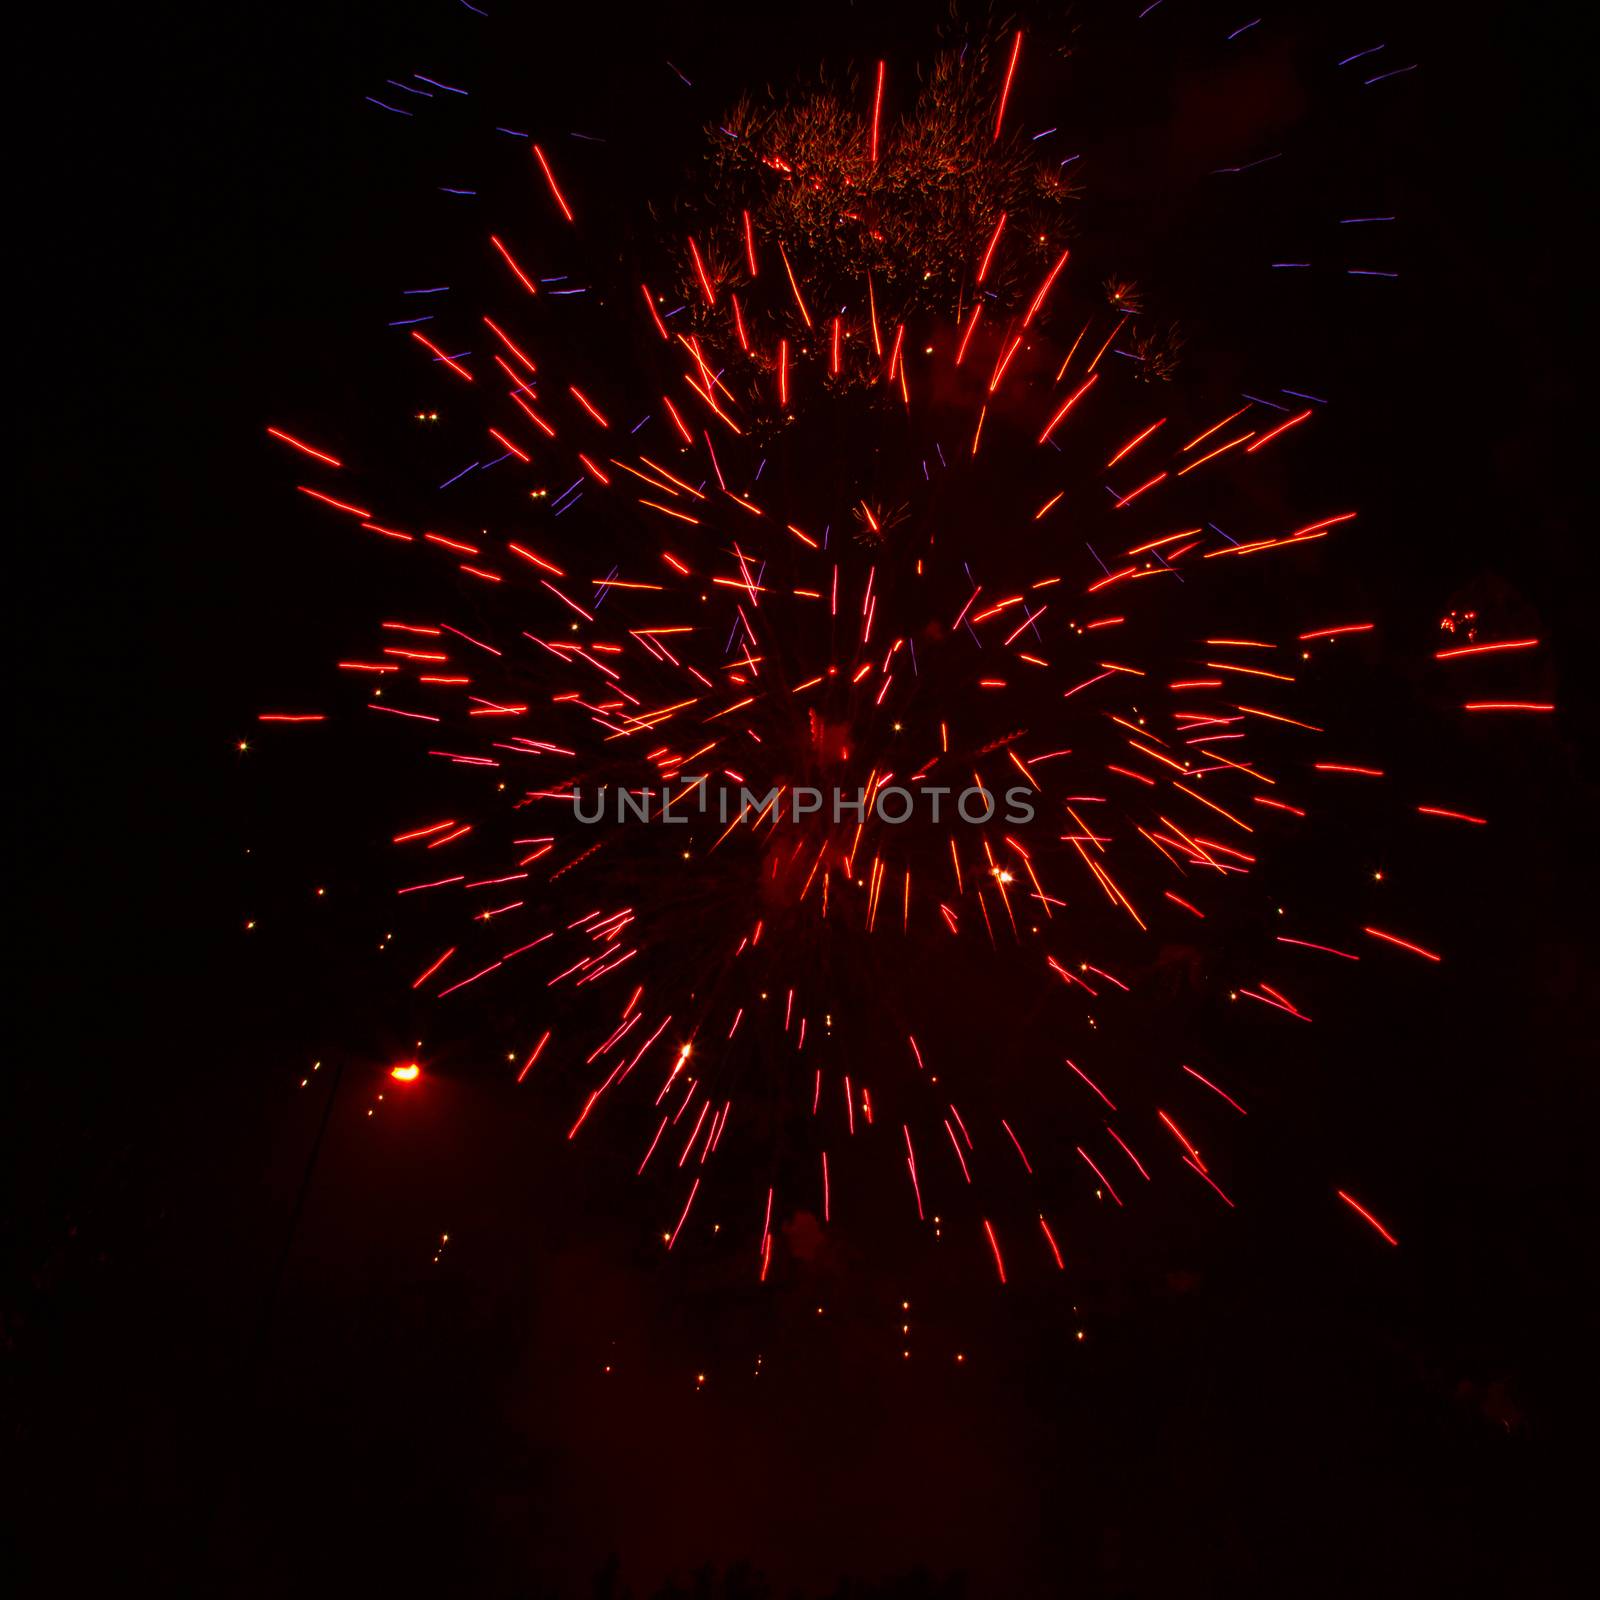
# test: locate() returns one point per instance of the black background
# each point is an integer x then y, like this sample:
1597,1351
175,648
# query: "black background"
1274,1406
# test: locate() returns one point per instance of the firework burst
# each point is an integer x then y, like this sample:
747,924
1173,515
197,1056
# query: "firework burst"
849,486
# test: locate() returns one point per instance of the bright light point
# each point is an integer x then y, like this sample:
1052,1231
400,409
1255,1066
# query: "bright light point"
408,1073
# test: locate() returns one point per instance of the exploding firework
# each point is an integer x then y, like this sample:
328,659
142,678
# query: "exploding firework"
843,632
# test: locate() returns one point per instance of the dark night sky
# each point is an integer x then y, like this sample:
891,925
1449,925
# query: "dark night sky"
1266,1402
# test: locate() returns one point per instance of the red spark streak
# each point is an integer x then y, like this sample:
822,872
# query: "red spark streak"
327,499
1416,949
1215,1090
701,273
1464,650
1090,1081
877,107
1282,427
439,354
434,968
1331,633
527,1065
655,316
1105,1182
988,1227
685,1217
749,244
1050,426
1050,1239
972,322
1361,1211
1005,91
304,448
1047,285
988,255
1018,1143
1135,442
522,277
555,188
